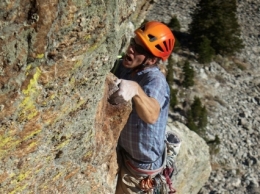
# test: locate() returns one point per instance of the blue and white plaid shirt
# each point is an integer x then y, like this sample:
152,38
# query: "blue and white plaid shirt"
145,142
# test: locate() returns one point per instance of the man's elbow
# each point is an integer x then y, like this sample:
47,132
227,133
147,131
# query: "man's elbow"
153,117
152,120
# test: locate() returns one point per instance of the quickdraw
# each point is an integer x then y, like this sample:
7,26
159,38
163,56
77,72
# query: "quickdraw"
155,184
147,184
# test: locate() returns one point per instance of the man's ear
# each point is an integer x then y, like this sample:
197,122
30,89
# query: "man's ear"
152,60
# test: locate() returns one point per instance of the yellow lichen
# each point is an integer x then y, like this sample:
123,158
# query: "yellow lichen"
12,175
23,176
48,158
28,67
80,102
18,189
33,82
35,132
28,107
87,37
40,56
52,96
93,47
58,175
32,145
90,135
72,81
17,179
77,64
88,154
61,145
7,143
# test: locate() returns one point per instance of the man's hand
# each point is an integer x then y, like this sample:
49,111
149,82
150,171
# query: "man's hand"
147,108
127,90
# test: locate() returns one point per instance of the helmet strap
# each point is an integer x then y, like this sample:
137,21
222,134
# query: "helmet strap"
141,66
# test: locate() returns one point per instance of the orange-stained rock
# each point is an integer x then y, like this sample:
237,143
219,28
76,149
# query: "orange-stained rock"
58,133
110,120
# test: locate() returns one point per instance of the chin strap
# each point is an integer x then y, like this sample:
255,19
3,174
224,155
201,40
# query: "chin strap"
141,66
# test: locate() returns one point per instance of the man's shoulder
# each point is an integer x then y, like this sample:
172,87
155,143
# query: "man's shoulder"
155,74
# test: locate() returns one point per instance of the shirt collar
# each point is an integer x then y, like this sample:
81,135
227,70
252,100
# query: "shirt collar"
154,68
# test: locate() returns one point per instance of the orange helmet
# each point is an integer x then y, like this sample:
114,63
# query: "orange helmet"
157,37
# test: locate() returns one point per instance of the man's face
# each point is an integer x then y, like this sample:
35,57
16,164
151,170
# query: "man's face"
135,53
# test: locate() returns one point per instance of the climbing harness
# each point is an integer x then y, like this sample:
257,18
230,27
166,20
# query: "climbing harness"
156,181
147,183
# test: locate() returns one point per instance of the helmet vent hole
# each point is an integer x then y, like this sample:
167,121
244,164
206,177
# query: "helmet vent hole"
170,43
166,46
152,38
159,47
142,28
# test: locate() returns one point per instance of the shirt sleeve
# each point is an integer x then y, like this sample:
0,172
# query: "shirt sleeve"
156,87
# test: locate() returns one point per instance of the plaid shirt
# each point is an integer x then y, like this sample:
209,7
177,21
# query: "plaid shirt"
145,142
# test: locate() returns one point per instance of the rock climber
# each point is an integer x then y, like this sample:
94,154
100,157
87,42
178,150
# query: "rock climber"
141,143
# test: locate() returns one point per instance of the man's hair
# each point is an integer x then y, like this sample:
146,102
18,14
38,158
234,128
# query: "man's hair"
162,68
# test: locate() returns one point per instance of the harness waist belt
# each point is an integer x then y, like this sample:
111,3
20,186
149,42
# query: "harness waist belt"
142,172
138,161
145,172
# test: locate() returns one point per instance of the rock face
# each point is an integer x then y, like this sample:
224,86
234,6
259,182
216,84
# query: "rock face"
57,131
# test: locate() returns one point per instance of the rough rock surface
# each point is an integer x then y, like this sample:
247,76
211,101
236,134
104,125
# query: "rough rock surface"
57,132
231,95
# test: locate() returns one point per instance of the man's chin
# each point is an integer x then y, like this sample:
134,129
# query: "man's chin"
127,64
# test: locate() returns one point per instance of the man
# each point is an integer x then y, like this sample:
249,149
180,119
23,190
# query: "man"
141,142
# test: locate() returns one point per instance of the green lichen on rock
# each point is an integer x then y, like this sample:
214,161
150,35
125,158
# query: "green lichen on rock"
55,70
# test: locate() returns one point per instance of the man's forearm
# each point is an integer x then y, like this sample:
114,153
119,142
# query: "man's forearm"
147,108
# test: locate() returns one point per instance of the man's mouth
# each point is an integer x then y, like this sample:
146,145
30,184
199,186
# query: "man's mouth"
128,58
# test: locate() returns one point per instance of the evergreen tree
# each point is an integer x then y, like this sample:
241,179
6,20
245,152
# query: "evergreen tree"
169,76
170,80
216,20
196,108
174,24
197,117
188,75
203,120
190,122
173,98
205,51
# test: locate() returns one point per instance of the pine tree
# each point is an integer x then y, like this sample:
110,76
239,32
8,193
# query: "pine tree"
174,24
196,108
170,80
188,75
205,51
216,20
203,119
173,98
190,122
169,76
197,117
